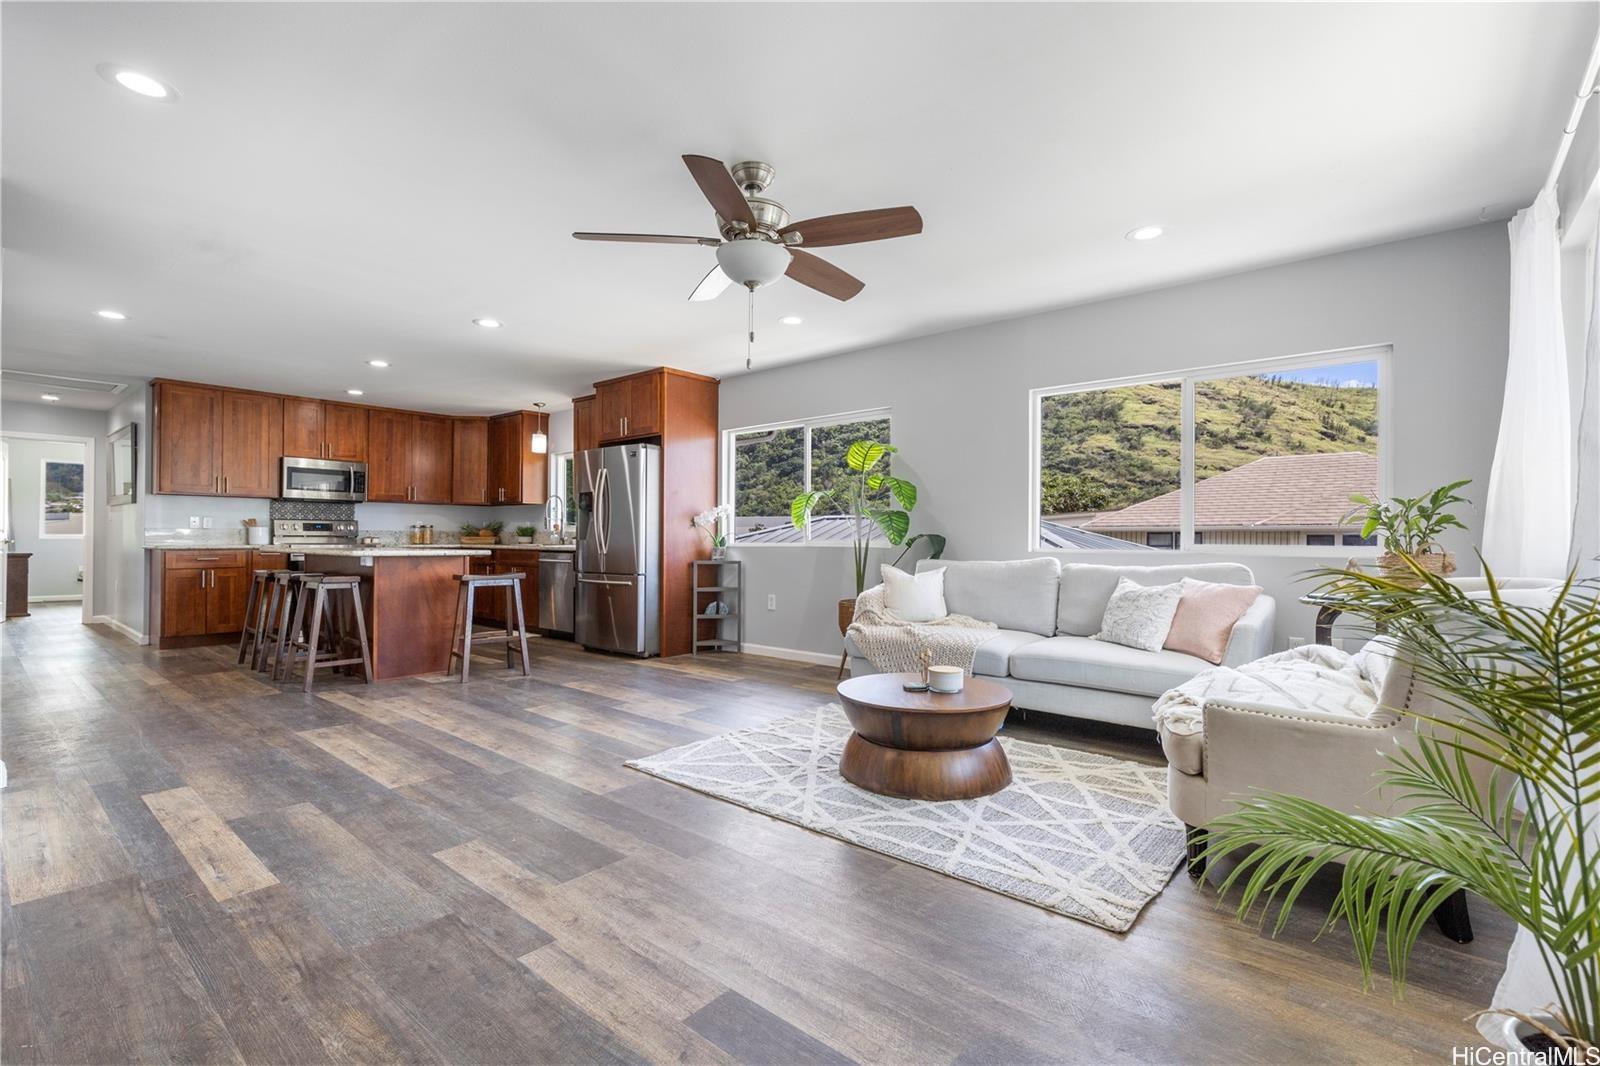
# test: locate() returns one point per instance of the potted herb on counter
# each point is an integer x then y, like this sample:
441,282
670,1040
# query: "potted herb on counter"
525,534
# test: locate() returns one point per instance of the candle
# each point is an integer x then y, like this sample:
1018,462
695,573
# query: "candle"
946,678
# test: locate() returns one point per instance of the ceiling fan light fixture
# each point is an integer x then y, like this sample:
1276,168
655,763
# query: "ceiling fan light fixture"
753,261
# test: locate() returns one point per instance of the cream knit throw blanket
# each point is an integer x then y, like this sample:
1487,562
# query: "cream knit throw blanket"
891,644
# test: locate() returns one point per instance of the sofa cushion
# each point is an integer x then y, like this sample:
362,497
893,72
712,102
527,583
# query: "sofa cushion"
1016,594
1206,613
1086,587
994,655
915,598
1069,660
1139,616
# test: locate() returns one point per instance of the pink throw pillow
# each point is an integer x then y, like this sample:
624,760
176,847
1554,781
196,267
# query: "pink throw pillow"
1205,617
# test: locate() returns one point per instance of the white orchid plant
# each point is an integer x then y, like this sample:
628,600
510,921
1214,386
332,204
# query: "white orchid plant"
716,524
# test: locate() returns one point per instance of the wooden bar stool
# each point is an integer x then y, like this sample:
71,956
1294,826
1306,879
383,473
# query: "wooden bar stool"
317,588
252,641
515,636
282,595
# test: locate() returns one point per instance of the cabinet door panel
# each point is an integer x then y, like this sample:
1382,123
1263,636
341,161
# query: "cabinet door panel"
584,436
344,429
644,405
302,427
431,465
469,482
389,444
252,444
183,603
188,439
225,595
503,430
611,401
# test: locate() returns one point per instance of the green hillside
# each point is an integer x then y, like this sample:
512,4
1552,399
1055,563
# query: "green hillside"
769,466
1109,448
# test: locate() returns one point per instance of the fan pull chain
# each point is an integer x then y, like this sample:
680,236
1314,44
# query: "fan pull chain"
750,340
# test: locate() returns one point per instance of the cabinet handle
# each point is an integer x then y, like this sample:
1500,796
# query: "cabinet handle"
224,484
207,558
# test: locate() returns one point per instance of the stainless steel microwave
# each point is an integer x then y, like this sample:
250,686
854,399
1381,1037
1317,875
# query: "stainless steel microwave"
323,479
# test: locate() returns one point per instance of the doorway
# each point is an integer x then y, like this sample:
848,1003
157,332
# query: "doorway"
48,501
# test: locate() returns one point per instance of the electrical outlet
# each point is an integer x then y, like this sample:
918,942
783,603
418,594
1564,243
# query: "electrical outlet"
205,523
194,521
1295,642
772,601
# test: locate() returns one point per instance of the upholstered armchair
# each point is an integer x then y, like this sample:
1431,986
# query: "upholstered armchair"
1329,758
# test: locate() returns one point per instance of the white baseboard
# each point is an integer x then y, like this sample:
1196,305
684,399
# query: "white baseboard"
121,627
78,598
821,658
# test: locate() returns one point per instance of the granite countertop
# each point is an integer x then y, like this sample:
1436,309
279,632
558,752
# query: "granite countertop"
391,551
536,547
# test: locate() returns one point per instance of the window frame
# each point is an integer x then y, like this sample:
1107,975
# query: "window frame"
727,491
44,533
559,486
1382,354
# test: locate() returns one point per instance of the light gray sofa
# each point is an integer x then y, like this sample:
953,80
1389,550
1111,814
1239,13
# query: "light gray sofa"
1046,613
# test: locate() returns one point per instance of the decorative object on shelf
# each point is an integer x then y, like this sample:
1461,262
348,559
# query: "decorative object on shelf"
924,663
716,522
525,534
710,578
947,679
1520,683
1408,526
122,455
472,533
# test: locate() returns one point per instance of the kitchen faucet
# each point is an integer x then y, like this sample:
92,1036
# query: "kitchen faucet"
555,510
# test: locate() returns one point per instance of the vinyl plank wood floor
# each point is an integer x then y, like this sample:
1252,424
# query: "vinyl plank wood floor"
201,867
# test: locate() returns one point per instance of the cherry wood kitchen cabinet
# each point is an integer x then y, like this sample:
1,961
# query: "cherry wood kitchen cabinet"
216,442
187,438
317,429
469,481
631,407
252,443
410,456
198,596
489,606
585,424
517,473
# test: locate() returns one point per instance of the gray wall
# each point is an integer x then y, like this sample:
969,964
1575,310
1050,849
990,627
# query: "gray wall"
53,572
119,563
960,400
18,416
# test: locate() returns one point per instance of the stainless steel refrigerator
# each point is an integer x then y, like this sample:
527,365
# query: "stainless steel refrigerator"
619,548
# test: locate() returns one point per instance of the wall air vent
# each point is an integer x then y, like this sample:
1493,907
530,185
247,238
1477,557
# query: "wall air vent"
60,382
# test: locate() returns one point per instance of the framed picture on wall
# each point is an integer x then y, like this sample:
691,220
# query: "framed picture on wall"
61,502
122,464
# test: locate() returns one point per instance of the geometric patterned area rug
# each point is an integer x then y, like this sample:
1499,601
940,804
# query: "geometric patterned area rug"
1080,834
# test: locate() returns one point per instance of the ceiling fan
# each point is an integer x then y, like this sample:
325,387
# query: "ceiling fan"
758,244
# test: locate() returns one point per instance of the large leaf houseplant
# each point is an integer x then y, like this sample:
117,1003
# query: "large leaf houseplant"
876,502
1409,526
1521,688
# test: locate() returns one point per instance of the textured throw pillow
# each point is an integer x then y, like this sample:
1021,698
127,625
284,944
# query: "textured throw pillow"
915,598
1205,617
1139,615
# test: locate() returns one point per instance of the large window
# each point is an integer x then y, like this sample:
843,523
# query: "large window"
768,466
1261,455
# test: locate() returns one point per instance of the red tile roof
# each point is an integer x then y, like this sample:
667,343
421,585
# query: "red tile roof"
1273,492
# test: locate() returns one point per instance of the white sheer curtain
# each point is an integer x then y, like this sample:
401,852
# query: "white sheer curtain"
1586,514
1528,517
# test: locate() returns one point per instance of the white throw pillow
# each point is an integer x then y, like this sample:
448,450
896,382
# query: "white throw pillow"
1139,616
915,598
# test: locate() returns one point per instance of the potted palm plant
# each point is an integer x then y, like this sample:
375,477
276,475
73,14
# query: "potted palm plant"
1522,685
1408,527
877,501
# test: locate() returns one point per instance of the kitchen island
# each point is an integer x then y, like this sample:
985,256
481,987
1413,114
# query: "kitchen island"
408,595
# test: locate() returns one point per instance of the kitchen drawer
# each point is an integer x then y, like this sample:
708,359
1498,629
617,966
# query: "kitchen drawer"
206,560
269,560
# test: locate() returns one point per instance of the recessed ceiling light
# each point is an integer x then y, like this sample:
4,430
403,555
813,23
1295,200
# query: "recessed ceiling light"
50,397
354,392
379,363
1145,233
488,323
790,320
137,82
115,316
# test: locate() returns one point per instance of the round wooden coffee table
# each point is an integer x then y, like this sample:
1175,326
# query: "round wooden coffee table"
924,745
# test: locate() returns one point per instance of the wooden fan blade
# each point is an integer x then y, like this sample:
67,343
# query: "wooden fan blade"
711,286
822,275
714,180
857,227
647,238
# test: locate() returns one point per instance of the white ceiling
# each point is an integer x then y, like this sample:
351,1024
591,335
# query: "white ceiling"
345,181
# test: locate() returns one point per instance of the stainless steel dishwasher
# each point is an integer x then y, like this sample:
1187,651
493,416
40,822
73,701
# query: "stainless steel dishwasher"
556,589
